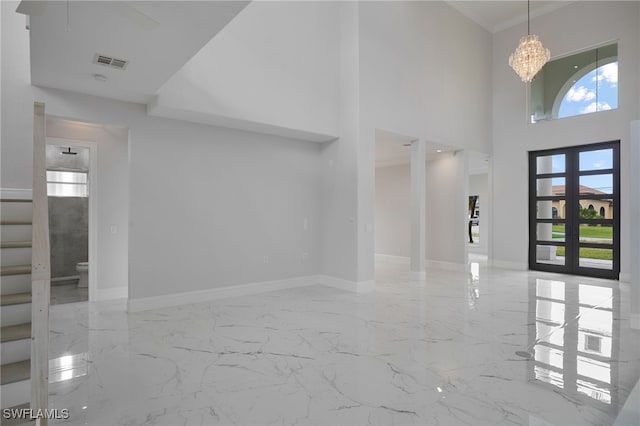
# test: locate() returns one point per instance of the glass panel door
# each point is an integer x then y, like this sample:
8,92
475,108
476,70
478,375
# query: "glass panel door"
596,226
548,216
574,200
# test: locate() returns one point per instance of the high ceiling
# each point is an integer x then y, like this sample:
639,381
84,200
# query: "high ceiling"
496,16
156,37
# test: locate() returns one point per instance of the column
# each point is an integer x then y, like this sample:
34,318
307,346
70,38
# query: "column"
634,177
418,207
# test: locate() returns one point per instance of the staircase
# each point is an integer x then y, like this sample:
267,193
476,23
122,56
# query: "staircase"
25,286
15,302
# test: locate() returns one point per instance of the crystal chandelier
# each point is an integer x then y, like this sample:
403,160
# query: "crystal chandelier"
530,55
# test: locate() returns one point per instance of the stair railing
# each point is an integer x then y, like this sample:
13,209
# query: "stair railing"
40,270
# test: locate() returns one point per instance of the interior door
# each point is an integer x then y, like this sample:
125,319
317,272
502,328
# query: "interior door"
574,204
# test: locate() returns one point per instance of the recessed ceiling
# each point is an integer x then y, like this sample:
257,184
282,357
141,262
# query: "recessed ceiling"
496,16
393,149
156,38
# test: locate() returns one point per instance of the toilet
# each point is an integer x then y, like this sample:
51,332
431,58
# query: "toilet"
83,271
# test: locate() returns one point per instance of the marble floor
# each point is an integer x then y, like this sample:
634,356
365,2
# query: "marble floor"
482,347
68,293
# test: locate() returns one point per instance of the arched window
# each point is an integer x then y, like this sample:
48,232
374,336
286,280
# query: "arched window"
591,207
594,91
554,212
576,84
602,212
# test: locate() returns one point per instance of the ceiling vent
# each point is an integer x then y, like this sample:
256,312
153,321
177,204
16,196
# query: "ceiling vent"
108,61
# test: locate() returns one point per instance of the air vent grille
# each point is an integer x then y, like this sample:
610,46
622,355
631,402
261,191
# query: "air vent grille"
108,61
118,63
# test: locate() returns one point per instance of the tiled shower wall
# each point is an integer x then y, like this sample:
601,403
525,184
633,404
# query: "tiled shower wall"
69,234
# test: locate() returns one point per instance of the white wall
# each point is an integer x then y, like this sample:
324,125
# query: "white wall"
446,211
424,71
205,204
571,28
111,144
393,211
208,204
634,278
16,134
275,63
447,206
340,161
479,185
413,68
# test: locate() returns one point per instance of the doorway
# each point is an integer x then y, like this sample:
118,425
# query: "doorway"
392,197
574,205
71,192
478,210
474,221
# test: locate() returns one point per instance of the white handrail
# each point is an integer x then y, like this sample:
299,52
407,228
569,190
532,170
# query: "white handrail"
40,269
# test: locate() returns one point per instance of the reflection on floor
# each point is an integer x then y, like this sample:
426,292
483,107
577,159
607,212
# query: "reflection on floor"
481,347
584,262
68,293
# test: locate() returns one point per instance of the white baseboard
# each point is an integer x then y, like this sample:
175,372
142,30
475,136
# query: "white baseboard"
478,250
517,266
163,301
625,277
403,260
15,193
634,320
447,266
111,293
354,286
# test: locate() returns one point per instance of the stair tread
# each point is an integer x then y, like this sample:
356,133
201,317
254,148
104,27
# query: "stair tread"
18,421
15,299
16,372
15,200
15,270
15,222
11,333
15,244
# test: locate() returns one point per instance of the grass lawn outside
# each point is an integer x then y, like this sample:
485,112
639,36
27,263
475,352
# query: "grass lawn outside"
590,253
586,231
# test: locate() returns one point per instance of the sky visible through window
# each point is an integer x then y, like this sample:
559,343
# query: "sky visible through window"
589,160
583,98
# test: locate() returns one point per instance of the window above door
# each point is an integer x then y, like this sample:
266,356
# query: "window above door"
67,184
581,83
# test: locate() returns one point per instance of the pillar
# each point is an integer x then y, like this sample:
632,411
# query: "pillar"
418,207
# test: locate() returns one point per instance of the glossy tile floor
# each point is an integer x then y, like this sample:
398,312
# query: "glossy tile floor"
440,351
68,293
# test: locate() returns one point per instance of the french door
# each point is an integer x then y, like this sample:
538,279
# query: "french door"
574,210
